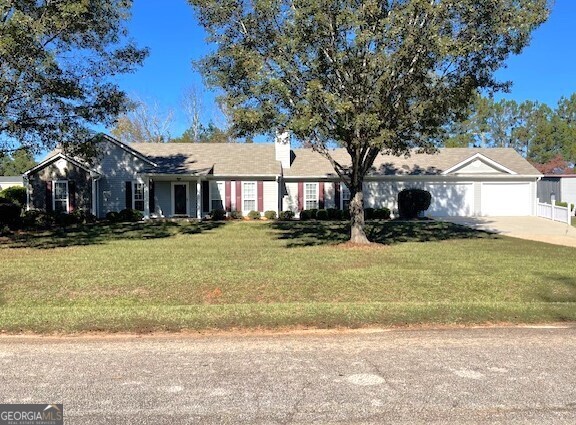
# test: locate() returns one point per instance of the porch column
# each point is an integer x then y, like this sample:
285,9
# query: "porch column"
198,199
94,195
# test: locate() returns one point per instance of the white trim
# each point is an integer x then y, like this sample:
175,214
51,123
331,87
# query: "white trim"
54,182
184,183
59,155
199,199
479,156
134,183
316,198
244,196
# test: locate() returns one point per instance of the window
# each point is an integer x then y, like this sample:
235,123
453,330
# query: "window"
216,196
60,198
310,196
345,197
249,196
138,196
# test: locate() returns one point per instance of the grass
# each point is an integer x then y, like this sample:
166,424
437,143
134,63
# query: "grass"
174,276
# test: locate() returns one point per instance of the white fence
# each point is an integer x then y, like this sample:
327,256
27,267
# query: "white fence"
555,212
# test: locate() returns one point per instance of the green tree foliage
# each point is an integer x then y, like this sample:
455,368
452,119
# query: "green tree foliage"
16,163
56,63
535,130
368,76
206,134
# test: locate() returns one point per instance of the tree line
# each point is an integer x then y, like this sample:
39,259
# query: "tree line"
546,136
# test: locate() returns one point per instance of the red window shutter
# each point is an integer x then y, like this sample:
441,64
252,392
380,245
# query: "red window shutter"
238,195
227,195
128,194
71,195
321,195
301,196
337,195
260,195
48,201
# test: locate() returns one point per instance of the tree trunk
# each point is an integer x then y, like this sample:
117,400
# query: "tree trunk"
357,234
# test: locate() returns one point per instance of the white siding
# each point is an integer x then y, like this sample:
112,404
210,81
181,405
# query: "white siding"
290,201
385,193
477,167
329,195
270,196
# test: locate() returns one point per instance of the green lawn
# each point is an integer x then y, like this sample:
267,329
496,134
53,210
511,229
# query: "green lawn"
174,276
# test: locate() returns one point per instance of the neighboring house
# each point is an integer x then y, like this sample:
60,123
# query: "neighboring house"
563,186
9,181
192,179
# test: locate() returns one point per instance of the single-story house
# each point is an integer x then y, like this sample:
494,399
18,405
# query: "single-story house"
9,181
192,179
561,186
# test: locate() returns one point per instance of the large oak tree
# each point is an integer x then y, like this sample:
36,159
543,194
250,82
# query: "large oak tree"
57,60
369,76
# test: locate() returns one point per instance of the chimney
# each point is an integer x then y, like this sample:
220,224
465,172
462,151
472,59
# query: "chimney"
282,147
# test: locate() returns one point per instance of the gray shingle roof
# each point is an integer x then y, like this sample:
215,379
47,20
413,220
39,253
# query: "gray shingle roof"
258,159
308,163
226,159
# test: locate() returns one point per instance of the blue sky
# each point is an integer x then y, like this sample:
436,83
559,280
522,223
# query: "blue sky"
545,71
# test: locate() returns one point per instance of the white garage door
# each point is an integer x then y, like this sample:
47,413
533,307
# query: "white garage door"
506,199
451,199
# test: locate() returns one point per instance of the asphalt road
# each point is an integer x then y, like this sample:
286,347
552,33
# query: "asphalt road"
453,376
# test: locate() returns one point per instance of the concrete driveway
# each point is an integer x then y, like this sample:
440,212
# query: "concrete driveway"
532,228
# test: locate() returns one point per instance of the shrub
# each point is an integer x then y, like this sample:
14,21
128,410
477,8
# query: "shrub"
218,214
14,194
254,215
270,215
565,204
322,215
38,219
304,215
369,214
9,214
64,219
286,215
413,201
337,214
236,215
313,212
382,214
331,213
83,216
345,215
129,215
112,216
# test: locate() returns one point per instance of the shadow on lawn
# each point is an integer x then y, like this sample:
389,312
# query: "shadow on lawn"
559,288
99,233
310,233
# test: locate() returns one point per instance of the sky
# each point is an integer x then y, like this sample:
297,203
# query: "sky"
545,71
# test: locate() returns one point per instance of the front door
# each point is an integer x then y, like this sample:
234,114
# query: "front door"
180,198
